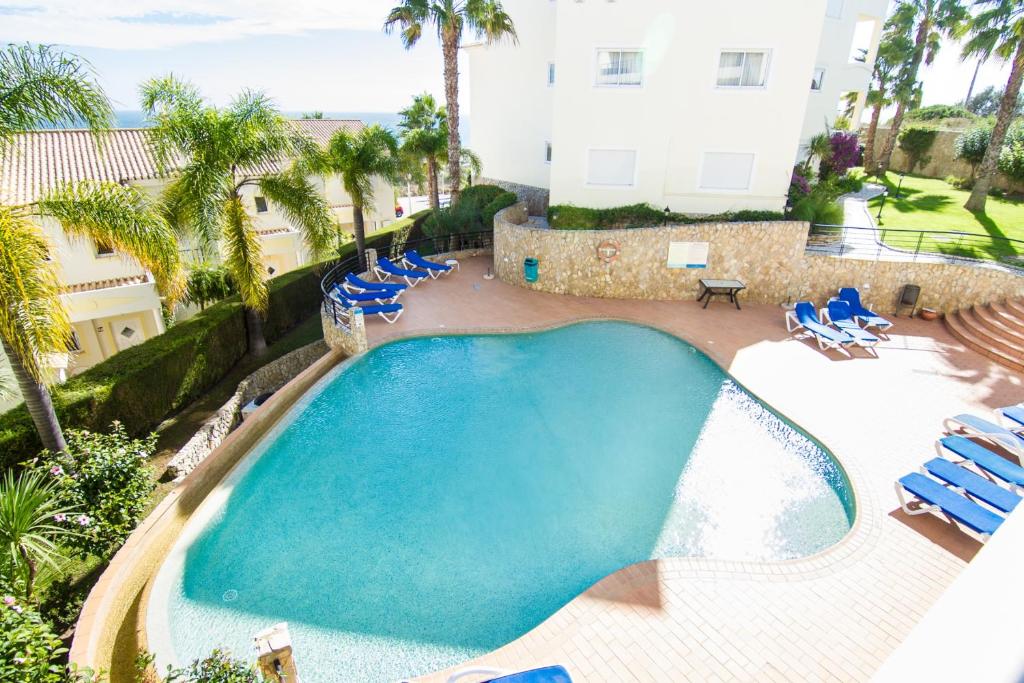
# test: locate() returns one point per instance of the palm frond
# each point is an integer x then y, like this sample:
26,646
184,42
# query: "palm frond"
42,84
303,204
489,21
243,256
409,16
123,218
33,320
359,157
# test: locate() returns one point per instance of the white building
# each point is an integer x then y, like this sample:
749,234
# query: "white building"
698,106
113,302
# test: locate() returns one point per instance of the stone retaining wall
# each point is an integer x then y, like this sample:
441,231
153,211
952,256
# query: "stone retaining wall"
536,198
941,161
270,377
770,258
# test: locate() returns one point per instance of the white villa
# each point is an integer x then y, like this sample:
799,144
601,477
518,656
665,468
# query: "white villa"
700,107
112,300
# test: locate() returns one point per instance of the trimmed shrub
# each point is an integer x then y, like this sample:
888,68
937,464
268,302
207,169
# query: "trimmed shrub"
936,112
959,183
1011,157
972,145
474,212
502,201
568,217
915,141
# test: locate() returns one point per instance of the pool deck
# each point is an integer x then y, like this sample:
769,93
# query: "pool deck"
834,616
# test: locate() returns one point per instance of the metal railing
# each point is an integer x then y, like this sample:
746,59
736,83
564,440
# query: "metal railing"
426,246
890,244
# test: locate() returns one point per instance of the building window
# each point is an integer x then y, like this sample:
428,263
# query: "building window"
728,171
611,167
742,69
620,68
547,152
551,73
818,79
834,9
74,343
103,249
261,204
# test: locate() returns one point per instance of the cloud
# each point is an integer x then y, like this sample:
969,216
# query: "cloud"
154,24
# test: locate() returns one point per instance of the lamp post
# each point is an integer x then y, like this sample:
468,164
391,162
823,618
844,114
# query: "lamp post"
878,218
667,212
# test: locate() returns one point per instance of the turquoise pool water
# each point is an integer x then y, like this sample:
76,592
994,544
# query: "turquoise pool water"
437,498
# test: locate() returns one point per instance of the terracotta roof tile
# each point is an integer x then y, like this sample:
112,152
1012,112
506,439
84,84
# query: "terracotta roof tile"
38,162
125,281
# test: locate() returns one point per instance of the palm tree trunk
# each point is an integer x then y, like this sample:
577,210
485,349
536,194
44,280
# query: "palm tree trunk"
987,168
432,190
254,330
885,160
869,138
450,49
359,229
39,404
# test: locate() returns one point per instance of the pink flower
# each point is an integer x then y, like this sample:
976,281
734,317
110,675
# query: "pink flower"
19,660
60,517
9,600
56,470
82,520
16,608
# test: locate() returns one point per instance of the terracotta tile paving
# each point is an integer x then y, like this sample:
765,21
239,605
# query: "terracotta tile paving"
833,616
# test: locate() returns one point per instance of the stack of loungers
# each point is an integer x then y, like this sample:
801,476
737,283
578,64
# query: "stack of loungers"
844,322
381,297
971,484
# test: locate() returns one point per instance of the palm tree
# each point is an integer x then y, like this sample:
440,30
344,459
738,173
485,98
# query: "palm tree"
214,154
486,19
470,165
933,19
32,522
359,158
997,30
424,136
33,319
893,51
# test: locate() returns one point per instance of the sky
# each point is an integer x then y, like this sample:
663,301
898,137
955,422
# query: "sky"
327,55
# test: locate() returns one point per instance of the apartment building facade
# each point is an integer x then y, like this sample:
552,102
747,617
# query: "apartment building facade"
700,107
113,302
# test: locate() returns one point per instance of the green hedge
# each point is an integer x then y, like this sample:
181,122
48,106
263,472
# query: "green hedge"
142,385
568,217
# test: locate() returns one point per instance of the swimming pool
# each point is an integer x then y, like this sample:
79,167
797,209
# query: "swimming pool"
438,497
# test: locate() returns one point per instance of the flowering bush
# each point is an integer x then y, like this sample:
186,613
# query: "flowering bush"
844,155
799,186
29,649
105,477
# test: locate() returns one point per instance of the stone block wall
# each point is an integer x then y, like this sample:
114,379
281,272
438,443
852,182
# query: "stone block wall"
536,198
770,258
941,161
270,377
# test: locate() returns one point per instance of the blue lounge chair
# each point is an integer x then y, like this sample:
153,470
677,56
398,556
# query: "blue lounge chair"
380,295
980,428
414,260
803,316
547,674
838,313
933,496
383,310
354,282
983,459
1013,416
971,484
385,269
867,318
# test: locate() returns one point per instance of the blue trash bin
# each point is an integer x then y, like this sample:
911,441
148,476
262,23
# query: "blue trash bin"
530,269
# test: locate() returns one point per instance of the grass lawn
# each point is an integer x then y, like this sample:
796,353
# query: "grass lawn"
934,205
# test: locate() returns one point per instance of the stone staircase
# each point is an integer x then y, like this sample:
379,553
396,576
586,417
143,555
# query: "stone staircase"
995,331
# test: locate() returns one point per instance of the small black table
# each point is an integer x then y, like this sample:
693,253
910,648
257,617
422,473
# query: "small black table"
729,288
